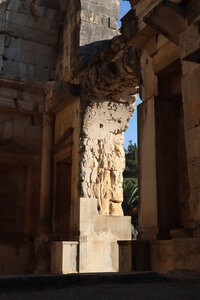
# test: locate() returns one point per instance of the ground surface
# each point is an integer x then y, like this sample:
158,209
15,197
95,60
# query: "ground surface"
175,286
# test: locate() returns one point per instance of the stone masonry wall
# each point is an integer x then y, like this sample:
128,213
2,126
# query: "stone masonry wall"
103,160
88,27
29,33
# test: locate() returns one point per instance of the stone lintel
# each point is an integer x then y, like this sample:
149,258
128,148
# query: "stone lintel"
167,18
132,35
190,43
129,25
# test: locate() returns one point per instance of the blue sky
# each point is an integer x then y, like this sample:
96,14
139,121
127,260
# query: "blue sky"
131,133
123,9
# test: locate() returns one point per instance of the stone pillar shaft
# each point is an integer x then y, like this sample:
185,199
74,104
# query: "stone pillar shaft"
41,244
46,173
148,218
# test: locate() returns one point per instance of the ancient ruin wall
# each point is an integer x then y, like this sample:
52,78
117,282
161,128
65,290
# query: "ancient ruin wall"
29,32
103,159
88,27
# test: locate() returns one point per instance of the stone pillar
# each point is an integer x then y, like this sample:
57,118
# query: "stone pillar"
102,163
191,106
103,158
44,226
190,55
148,218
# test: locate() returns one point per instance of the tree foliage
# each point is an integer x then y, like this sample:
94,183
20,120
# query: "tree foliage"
130,185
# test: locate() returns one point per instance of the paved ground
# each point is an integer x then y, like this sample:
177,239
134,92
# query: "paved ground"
180,285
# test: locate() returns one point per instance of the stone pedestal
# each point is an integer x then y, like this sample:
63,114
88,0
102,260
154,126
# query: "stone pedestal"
64,257
160,256
97,250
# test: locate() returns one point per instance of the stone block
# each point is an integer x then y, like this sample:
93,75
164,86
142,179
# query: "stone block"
161,255
150,81
117,227
186,254
165,56
125,256
98,248
190,43
195,203
14,258
134,256
167,18
98,255
88,212
147,166
64,257
191,95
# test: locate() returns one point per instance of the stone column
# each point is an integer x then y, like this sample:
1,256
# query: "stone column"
191,106
102,163
46,173
103,159
148,218
44,226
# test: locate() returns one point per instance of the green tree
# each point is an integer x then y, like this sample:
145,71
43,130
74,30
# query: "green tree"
130,185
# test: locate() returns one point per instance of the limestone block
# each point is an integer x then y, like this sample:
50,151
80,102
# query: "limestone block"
167,18
125,256
14,258
147,166
134,256
98,248
64,257
98,256
191,94
150,84
161,256
190,43
195,203
88,212
186,254
117,227
165,56
193,150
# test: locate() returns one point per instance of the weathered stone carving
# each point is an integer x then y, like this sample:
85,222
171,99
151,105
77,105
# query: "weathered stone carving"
102,146
108,99
114,75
